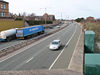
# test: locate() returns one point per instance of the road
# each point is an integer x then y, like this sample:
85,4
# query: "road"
39,56
14,42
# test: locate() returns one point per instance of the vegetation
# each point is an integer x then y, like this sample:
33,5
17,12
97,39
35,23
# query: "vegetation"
31,22
18,19
95,26
5,25
79,19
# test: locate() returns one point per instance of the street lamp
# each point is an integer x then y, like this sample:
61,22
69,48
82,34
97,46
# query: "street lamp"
61,16
45,9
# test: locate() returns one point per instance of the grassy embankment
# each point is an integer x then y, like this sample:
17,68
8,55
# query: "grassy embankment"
95,26
5,25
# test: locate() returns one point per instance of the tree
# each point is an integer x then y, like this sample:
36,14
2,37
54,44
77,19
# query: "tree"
79,19
24,14
31,15
19,14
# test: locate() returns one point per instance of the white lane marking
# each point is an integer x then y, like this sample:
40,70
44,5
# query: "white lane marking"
29,60
75,49
62,50
25,48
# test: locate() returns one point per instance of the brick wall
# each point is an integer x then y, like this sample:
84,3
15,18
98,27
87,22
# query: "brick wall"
4,9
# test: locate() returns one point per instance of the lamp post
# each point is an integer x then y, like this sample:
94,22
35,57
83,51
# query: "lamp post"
61,17
45,9
45,17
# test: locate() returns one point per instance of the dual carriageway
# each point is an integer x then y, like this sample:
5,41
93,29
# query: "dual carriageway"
38,56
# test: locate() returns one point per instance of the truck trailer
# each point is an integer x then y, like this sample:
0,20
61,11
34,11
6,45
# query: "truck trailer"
8,35
23,33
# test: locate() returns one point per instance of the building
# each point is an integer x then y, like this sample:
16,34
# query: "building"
4,9
52,17
38,18
48,17
90,19
45,17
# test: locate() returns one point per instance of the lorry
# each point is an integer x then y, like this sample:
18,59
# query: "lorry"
8,35
23,33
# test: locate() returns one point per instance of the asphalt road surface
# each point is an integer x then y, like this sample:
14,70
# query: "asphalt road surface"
4,45
39,56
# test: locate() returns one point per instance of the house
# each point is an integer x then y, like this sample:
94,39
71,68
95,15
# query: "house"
48,17
4,9
90,19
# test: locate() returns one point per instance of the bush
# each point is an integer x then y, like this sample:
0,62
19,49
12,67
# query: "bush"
32,22
95,27
79,19
18,19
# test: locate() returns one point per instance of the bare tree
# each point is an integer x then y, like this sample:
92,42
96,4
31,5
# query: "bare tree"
19,14
31,15
24,14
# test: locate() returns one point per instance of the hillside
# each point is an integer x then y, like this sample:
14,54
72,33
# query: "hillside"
4,25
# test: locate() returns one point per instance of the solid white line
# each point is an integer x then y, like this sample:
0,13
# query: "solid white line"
62,50
29,60
75,48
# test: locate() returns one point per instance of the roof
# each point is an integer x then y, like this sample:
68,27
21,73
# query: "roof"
45,14
3,1
56,40
51,15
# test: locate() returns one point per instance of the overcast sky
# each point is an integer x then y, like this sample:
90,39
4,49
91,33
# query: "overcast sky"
70,9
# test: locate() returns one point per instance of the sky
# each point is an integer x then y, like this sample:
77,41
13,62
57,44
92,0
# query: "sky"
65,9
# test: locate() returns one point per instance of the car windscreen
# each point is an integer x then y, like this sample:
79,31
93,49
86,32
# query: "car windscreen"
55,43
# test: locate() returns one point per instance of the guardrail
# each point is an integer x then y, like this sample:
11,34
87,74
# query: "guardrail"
18,46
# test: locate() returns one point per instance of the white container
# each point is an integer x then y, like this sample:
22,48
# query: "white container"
7,33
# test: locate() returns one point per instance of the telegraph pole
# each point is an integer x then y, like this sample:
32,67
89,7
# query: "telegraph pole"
45,17
45,10
61,16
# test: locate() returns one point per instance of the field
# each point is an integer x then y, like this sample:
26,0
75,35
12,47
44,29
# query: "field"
5,25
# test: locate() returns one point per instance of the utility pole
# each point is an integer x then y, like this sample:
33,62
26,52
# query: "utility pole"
45,17
45,10
61,16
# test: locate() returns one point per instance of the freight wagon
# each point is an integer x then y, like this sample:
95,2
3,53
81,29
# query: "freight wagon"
26,32
8,35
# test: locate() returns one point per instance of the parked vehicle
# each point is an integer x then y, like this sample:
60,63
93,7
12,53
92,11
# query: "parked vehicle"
55,44
26,32
8,35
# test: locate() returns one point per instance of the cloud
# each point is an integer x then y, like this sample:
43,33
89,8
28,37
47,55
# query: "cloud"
73,8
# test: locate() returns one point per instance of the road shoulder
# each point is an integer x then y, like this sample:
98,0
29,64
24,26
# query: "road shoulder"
76,63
